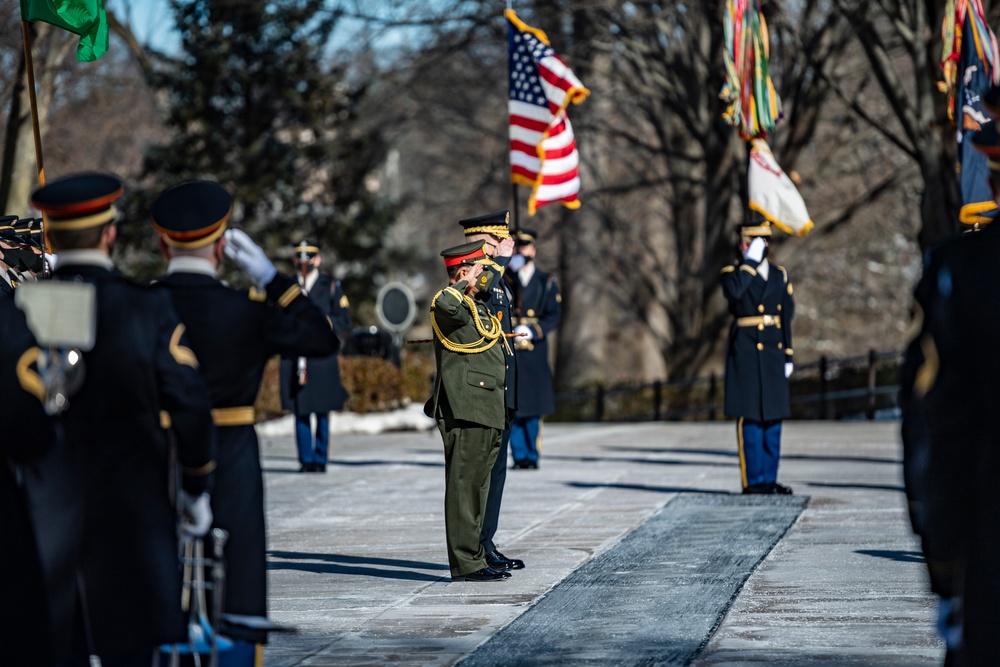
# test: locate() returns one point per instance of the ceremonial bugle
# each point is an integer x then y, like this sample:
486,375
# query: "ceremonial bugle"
423,341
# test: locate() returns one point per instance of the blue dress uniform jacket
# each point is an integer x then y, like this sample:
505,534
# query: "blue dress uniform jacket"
233,336
323,390
956,380
27,432
500,305
537,305
106,525
760,341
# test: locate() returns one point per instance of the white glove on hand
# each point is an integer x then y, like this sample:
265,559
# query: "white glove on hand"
197,514
788,369
249,257
524,329
51,260
755,252
516,262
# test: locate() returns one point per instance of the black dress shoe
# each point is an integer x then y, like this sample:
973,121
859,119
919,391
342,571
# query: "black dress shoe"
758,489
533,465
781,489
519,465
498,561
485,574
306,467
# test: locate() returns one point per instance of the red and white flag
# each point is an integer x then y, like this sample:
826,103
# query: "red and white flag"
772,193
542,147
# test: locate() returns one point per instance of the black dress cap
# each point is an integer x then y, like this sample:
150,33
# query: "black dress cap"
79,201
192,214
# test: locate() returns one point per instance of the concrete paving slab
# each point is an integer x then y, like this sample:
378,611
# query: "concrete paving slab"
358,564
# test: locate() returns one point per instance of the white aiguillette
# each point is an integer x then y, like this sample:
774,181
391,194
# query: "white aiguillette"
60,314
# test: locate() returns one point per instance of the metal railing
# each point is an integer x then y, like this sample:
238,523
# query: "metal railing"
863,386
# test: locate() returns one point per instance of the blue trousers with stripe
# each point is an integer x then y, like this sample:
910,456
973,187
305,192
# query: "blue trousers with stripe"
760,449
524,438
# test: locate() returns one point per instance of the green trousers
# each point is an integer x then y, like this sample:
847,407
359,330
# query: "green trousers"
469,453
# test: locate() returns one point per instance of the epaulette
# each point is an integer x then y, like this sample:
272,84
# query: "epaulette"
728,269
257,294
782,269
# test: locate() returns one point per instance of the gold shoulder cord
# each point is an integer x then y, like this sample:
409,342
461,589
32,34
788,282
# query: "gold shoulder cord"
492,335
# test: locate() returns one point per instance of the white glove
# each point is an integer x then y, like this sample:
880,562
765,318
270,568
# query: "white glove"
755,252
526,330
788,369
51,261
197,514
516,262
249,257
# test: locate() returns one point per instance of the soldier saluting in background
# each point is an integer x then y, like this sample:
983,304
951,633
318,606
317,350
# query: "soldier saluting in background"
758,357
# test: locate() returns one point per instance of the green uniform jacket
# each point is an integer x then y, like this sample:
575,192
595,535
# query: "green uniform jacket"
472,384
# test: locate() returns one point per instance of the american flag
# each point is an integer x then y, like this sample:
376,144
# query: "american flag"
542,147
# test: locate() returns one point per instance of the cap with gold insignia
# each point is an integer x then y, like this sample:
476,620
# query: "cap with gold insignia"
469,254
192,214
79,201
491,223
525,236
306,247
754,225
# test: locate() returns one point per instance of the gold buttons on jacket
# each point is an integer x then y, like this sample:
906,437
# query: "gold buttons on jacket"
779,306
760,308
760,326
779,346
760,346
482,384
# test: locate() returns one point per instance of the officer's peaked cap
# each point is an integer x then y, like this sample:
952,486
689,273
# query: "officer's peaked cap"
79,201
467,253
192,214
307,246
496,224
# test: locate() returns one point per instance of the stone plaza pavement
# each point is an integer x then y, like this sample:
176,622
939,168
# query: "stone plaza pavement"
357,556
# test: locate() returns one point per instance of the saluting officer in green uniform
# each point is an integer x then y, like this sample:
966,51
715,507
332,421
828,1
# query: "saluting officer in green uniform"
468,404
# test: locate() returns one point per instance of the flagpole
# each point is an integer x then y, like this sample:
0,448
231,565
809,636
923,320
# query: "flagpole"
32,102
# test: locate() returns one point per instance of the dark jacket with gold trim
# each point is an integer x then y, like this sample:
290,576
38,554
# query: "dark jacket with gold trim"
537,305
233,335
756,386
103,508
27,434
323,390
500,304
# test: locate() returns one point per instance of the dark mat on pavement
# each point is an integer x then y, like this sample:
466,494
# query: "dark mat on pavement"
657,596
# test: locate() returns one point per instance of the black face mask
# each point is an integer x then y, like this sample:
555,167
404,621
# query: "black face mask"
29,261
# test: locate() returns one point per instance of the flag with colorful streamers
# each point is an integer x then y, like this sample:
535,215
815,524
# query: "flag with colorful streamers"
754,106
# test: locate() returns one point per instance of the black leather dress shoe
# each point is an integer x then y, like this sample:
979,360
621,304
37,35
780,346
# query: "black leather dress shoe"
306,467
781,489
485,574
758,489
498,561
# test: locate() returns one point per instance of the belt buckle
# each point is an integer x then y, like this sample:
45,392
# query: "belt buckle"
768,320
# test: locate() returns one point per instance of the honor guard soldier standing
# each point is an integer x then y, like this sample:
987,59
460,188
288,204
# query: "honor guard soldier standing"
468,404
758,357
234,334
121,577
950,455
311,385
537,313
27,433
493,229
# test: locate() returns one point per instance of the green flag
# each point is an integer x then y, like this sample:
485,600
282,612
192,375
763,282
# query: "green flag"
85,18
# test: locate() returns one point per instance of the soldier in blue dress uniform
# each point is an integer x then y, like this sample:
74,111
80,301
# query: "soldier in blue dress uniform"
311,385
234,333
537,313
28,432
758,357
107,527
493,229
949,438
